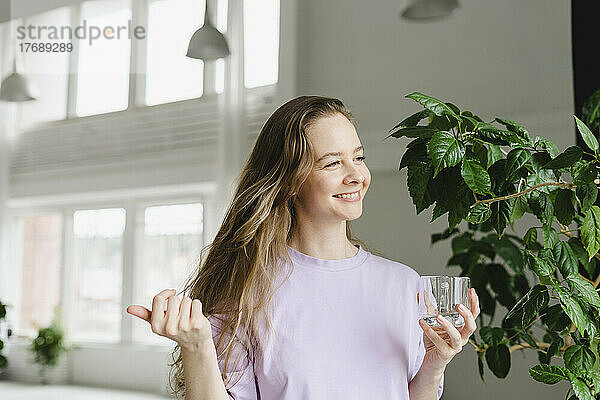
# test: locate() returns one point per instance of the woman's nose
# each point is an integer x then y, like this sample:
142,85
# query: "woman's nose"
354,176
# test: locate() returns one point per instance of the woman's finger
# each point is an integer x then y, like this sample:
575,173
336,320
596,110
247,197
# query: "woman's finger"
453,333
140,312
171,316
474,303
435,338
157,319
185,309
196,312
470,324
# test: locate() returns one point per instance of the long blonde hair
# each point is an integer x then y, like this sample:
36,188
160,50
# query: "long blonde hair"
235,279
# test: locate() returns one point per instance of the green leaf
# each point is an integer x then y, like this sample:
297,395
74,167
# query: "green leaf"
413,132
480,367
516,159
530,238
572,308
579,359
550,236
491,335
549,374
516,128
556,342
510,253
565,206
500,283
542,266
418,178
565,259
416,152
434,105
582,256
498,360
590,111
476,177
590,231
583,172
528,339
445,151
494,154
581,389
519,209
480,213
588,136
586,290
524,312
556,319
493,135
594,376
565,159
547,145
413,120
501,211
542,207
462,243
587,195
478,152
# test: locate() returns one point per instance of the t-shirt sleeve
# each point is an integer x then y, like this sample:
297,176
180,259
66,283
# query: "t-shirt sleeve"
242,383
420,354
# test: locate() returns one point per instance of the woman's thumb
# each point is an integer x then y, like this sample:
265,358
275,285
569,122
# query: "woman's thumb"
140,312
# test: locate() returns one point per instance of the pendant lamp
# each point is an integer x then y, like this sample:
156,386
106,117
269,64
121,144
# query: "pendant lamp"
16,88
207,43
427,10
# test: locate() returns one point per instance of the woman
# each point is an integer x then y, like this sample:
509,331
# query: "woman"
295,307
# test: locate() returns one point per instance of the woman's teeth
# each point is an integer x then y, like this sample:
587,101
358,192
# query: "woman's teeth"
347,196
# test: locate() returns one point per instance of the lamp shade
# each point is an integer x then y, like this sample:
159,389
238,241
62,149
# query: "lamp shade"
425,10
16,88
207,43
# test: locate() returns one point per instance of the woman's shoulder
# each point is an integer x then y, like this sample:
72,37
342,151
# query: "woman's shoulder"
392,267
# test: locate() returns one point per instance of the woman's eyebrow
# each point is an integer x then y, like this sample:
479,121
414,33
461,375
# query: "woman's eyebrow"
337,153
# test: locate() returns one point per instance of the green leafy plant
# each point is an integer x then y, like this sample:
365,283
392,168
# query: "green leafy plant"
491,174
48,346
3,360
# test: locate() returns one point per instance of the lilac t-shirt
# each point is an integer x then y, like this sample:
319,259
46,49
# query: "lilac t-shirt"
344,329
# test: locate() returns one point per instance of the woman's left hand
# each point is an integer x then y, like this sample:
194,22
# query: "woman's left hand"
444,342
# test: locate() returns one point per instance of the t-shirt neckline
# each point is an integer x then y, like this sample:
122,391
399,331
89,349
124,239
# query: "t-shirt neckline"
305,260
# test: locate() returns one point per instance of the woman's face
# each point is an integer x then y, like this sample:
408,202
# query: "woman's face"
336,186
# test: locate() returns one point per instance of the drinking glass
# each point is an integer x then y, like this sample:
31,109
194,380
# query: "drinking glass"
441,295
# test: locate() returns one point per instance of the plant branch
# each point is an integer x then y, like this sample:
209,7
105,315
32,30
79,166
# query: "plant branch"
510,196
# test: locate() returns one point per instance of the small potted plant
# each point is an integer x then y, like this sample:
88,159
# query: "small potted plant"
3,360
48,347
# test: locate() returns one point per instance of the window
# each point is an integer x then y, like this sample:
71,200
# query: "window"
103,72
97,265
41,258
48,71
170,75
220,63
170,246
261,42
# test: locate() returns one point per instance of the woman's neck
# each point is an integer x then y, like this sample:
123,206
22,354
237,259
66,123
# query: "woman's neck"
325,243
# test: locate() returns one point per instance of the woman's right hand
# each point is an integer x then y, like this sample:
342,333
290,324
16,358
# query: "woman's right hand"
183,321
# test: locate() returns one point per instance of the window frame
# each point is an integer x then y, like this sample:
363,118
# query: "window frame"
134,209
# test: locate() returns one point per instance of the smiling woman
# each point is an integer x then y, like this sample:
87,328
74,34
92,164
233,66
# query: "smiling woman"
286,304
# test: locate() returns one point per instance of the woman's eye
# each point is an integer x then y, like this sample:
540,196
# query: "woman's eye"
361,158
332,164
